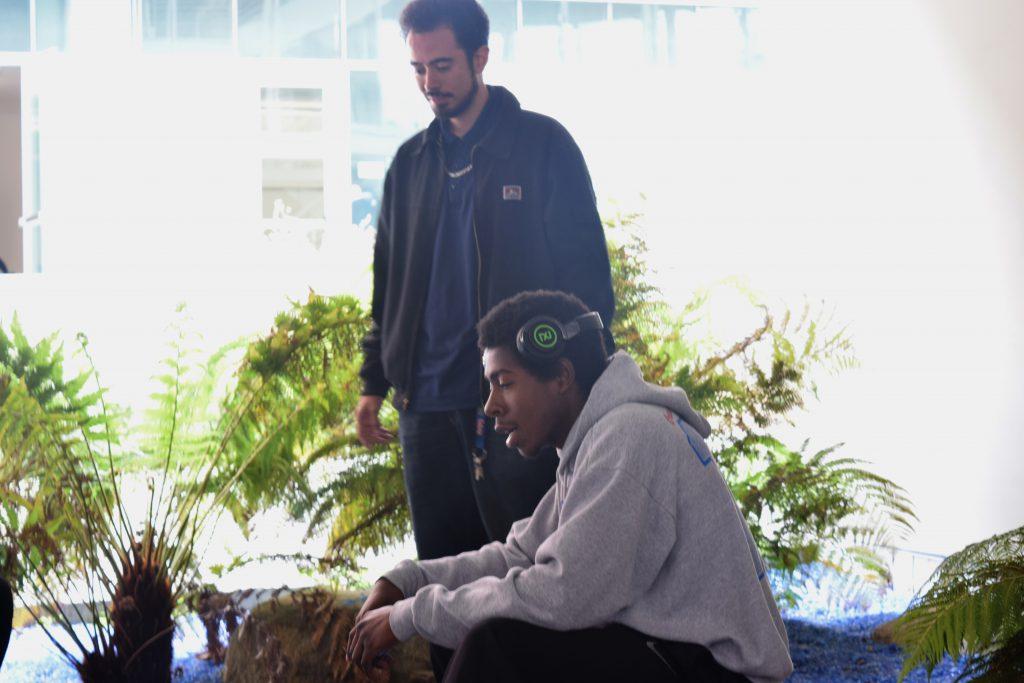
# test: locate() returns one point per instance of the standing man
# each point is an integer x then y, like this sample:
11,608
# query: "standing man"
488,201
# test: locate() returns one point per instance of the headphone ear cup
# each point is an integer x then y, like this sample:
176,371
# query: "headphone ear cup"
540,339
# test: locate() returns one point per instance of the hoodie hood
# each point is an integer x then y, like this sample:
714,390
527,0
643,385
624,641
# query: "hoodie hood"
620,383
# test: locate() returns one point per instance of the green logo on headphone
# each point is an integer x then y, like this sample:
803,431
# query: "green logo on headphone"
545,336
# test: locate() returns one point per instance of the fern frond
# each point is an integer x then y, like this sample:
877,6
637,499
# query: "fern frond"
974,604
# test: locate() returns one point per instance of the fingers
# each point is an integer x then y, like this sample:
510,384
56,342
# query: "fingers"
373,436
368,427
366,650
355,649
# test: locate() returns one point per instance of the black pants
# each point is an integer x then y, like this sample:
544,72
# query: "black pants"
453,511
508,651
6,617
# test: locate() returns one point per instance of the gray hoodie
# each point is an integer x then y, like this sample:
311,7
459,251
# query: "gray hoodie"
640,528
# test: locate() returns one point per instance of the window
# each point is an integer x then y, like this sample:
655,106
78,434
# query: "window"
289,28
292,110
504,24
368,171
14,26
540,40
293,188
51,24
589,33
371,25
186,24
367,106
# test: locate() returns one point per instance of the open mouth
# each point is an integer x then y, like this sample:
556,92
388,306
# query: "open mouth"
511,432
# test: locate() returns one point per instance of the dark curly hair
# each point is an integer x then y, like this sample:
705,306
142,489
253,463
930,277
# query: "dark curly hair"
466,19
586,351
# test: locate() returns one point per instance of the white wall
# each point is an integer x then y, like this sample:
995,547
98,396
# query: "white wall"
983,40
874,161
10,168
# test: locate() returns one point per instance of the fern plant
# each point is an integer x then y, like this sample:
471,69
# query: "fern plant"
972,606
802,506
37,373
212,443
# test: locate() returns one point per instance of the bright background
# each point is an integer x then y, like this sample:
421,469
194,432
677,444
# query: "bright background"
867,155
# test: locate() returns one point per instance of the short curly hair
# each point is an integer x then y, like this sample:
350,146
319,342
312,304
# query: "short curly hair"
586,351
466,18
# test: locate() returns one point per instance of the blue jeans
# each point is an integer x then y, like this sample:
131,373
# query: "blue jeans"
452,511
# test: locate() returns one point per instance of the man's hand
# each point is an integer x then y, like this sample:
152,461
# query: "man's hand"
370,638
368,423
384,593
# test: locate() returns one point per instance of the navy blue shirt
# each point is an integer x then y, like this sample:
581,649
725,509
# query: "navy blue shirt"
446,368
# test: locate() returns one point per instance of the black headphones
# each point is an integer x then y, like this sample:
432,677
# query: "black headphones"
543,338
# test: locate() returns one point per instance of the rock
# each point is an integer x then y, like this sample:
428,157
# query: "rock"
883,633
301,637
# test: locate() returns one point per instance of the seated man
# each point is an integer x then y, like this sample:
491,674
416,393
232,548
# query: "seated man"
635,566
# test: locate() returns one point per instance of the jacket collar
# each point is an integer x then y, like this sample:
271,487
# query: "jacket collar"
498,141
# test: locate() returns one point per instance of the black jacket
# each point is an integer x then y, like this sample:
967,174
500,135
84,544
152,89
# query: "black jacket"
535,222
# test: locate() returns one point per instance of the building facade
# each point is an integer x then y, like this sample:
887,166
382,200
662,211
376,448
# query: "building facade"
163,134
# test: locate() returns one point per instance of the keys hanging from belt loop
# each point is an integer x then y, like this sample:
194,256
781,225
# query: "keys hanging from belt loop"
480,445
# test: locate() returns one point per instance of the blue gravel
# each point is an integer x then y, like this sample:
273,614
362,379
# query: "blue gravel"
842,650
824,651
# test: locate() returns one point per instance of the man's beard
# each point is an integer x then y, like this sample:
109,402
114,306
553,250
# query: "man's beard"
460,108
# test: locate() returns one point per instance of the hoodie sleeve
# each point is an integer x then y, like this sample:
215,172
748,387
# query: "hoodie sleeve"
610,545
494,559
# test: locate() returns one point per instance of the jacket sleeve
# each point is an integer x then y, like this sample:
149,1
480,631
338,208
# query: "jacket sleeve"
494,559
606,552
575,234
372,370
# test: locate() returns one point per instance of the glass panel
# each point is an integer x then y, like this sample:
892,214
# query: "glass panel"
582,13
541,13
589,33
14,28
672,34
540,40
292,110
502,15
367,105
368,171
749,24
293,188
373,27
289,28
51,24
186,24
628,27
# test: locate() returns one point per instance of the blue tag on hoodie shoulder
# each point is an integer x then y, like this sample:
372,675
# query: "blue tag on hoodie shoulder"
693,438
